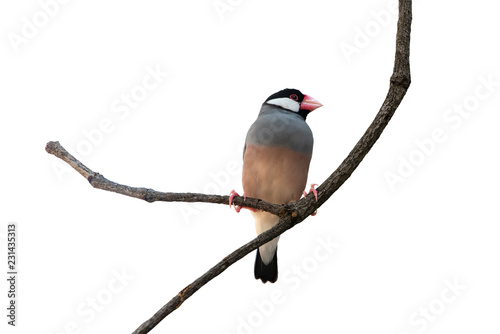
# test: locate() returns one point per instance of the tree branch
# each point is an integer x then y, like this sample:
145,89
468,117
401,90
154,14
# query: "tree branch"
98,181
290,214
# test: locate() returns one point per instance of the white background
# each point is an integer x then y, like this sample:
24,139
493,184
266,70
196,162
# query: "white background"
399,247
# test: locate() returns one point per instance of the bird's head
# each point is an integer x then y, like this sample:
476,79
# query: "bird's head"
294,101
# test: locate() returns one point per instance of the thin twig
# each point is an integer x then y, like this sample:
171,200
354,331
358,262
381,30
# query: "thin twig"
98,181
290,214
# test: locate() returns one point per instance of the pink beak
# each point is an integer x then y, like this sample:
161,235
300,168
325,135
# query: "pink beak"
310,103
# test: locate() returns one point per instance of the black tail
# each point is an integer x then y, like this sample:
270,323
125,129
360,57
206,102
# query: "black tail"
266,272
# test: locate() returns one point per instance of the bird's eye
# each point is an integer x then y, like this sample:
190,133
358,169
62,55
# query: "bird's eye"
294,97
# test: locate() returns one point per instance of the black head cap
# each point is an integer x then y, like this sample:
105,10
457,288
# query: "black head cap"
291,93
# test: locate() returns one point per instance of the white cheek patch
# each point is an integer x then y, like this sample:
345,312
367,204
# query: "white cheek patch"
285,103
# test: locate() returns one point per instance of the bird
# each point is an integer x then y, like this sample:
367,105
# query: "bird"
276,157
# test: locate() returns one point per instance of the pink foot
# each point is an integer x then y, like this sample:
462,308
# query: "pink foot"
232,195
312,190
315,195
238,208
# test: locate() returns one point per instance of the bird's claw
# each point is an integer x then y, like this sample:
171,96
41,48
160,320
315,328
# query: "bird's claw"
312,190
232,195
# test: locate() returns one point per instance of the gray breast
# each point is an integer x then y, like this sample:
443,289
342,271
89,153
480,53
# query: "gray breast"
280,128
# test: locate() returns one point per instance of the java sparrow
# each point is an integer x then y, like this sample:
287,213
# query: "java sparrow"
276,157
